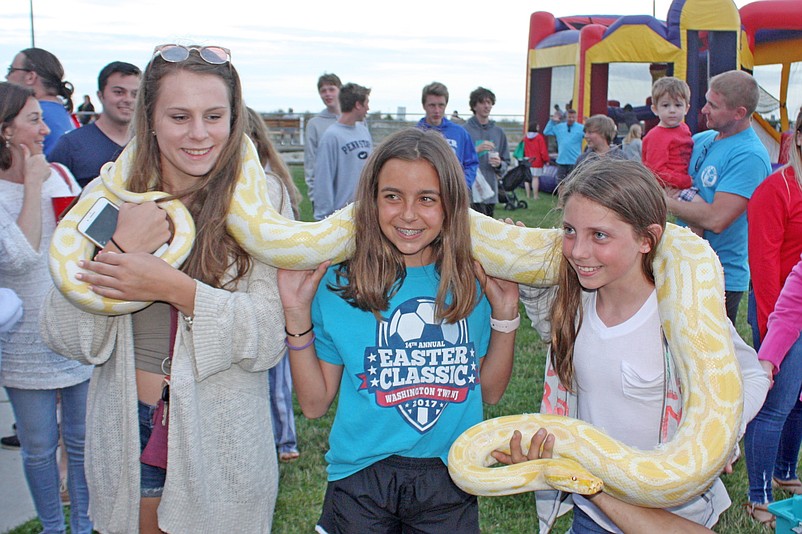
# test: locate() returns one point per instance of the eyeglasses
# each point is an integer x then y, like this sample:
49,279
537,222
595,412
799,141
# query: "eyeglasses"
702,156
12,68
174,53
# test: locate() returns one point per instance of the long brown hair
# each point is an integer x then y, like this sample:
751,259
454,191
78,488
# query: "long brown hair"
13,98
214,251
632,192
268,155
376,270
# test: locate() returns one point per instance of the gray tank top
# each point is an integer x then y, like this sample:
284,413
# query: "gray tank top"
151,337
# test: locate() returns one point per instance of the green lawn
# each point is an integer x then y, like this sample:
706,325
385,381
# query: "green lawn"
303,482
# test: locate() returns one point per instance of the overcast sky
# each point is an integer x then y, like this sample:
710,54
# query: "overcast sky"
281,47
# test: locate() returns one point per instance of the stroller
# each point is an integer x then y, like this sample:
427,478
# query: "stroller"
510,182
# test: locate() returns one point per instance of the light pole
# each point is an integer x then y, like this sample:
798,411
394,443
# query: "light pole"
33,42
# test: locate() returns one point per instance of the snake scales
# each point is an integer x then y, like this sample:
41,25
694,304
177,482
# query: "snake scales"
690,295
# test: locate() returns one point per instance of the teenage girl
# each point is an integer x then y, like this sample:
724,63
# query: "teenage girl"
197,456
411,333
609,362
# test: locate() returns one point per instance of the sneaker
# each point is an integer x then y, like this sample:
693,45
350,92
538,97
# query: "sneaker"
10,442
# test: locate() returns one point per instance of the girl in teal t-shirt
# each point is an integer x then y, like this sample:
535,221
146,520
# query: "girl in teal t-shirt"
412,335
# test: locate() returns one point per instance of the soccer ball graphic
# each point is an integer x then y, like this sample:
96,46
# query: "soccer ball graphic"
414,320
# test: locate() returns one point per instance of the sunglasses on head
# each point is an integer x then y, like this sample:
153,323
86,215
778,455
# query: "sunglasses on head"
174,53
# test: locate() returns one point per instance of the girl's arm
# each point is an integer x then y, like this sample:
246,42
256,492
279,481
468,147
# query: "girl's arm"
136,274
139,276
316,382
496,366
36,172
785,322
631,519
76,334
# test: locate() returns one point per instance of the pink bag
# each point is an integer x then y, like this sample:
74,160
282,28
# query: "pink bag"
155,451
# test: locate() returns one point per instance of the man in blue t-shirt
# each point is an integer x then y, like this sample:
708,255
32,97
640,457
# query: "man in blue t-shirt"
85,150
434,100
728,163
570,135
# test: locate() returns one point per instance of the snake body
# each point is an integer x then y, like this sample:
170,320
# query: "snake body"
691,306
690,295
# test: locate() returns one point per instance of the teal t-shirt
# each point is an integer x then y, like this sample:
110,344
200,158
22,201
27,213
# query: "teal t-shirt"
736,165
410,385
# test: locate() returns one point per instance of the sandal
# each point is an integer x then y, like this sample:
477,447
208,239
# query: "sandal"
64,492
290,456
760,513
791,486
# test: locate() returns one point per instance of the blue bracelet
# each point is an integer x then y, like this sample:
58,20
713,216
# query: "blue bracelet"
302,347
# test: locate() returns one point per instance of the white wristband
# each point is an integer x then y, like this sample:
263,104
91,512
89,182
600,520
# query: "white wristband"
505,326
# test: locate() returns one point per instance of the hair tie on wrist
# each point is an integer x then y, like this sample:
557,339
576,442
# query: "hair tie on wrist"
302,347
505,326
113,242
298,335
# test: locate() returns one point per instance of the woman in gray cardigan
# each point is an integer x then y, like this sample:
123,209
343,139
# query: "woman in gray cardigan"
204,461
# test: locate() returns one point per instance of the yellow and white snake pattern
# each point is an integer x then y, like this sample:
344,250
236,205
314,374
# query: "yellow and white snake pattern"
690,295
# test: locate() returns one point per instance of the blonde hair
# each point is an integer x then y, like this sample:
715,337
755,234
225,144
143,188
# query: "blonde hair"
268,155
632,192
377,270
635,132
214,251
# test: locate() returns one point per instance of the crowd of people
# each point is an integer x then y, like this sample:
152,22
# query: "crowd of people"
174,418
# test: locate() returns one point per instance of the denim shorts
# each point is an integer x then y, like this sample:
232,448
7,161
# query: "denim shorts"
151,479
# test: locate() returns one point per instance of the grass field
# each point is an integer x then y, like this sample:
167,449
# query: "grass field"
302,483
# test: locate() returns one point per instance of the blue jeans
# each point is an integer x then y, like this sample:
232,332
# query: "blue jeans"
771,443
583,524
38,432
751,319
281,406
151,478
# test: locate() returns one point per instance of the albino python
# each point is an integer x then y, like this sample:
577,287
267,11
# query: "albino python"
690,295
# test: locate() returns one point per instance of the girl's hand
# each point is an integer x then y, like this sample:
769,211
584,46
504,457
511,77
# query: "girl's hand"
298,288
768,367
541,446
502,294
142,227
139,276
37,169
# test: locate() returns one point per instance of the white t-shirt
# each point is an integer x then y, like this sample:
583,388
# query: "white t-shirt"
619,374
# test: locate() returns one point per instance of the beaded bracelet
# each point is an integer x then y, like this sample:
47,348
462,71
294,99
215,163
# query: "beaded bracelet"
302,347
298,335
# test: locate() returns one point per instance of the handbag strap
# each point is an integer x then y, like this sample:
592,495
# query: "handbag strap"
59,168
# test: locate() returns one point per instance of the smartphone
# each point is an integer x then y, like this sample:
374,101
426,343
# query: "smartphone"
100,221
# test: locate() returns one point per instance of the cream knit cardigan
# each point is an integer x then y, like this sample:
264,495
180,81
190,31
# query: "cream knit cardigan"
222,473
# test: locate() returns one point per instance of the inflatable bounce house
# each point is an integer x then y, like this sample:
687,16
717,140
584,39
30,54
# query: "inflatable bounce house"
699,39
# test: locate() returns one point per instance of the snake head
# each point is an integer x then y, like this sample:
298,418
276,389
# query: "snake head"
568,475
